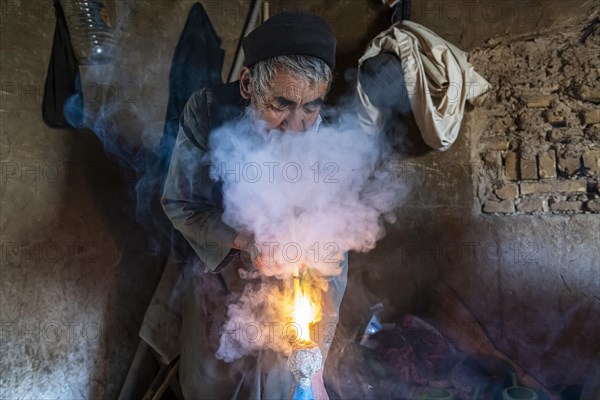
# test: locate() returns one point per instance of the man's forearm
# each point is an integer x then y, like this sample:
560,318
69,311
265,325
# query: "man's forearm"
188,203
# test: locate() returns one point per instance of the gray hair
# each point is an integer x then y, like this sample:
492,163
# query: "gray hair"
311,68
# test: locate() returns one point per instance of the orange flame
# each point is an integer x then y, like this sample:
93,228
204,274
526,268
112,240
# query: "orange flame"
305,312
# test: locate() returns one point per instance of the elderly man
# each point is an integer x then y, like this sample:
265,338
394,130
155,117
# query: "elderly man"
286,75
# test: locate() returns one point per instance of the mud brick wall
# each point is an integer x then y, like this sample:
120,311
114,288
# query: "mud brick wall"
540,149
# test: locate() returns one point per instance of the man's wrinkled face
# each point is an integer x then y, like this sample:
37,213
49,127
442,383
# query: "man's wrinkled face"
291,104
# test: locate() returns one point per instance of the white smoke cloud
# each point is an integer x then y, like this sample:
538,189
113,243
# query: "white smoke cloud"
256,321
307,197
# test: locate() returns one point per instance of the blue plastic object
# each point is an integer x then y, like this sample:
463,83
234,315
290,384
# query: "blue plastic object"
302,393
73,109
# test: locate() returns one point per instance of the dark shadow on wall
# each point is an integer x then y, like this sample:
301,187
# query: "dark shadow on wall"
509,279
137,253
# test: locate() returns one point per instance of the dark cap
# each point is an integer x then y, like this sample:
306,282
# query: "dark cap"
290,33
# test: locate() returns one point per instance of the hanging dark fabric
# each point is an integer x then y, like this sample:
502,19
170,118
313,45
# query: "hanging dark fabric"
62,72
401,11
197,63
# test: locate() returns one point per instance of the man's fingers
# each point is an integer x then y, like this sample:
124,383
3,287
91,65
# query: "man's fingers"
265,266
